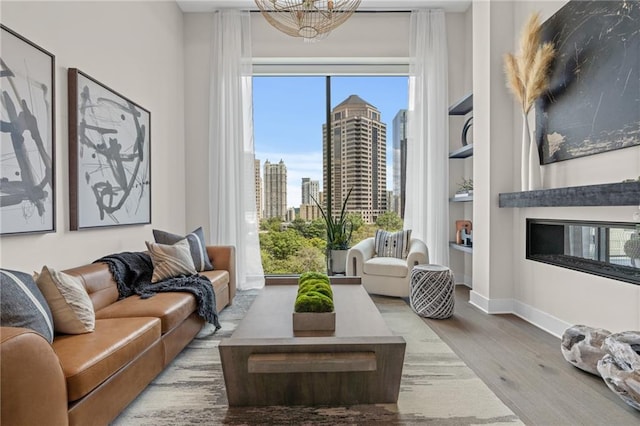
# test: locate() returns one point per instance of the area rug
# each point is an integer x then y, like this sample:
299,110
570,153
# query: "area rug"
437,388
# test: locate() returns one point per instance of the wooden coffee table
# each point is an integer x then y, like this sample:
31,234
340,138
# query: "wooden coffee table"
264,363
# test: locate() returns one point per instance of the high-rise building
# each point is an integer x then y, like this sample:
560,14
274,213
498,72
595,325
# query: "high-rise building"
310,190
309,212
275,190
399,160
258,182
359,159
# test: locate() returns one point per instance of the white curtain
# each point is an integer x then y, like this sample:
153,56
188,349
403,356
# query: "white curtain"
427,205
232,201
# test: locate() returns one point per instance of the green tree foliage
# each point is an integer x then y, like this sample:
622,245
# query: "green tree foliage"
356,221
302,247
389,221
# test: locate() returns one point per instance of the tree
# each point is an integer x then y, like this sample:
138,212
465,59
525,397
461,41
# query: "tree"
389,221
356,221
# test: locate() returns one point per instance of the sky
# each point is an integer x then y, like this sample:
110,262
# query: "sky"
288,113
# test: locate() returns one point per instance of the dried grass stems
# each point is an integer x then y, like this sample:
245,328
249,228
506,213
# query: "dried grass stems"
527,72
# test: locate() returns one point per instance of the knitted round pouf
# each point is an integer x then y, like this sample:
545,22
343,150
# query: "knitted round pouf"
432,291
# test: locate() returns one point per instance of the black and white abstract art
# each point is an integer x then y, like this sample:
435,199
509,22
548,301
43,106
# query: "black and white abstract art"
27,136
109,156
593,103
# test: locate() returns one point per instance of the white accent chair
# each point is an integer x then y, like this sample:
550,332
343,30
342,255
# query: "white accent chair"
387,276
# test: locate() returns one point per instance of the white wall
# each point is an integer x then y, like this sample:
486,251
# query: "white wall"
368,35
136,48
549,296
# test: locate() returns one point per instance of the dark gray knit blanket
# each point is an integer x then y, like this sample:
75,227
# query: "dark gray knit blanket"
132,272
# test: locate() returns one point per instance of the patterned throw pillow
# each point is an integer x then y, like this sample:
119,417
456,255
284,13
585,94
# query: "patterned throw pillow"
170,260
196,245
69,302
388,244
23,305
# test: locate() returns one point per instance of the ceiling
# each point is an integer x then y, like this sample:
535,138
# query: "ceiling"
366,5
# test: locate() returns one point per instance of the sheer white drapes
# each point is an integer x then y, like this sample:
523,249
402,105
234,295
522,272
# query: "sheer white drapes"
427,205
232,203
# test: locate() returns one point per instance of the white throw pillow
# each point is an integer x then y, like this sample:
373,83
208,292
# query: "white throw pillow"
389,244
70,304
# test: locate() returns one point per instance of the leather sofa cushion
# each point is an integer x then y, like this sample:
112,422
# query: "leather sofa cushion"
386,266
89,359
98,281
171,307
219,279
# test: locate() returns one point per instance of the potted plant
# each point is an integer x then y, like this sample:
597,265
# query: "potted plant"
339,229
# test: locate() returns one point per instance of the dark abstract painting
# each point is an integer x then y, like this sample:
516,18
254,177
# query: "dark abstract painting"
109,156
27,135
593,104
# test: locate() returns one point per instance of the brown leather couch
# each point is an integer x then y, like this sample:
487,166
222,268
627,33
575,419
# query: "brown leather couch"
88,379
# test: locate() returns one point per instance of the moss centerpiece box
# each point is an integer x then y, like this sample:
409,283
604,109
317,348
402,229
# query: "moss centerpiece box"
313,310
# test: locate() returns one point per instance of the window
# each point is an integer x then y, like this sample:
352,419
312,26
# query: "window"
291,167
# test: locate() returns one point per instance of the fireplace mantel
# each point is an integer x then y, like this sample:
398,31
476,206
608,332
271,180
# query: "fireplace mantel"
610,194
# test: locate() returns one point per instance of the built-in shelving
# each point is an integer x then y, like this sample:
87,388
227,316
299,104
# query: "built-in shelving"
460,247
466,198
610,194
463,106
464,152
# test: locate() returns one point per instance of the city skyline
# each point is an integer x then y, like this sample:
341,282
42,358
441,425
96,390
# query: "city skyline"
289,113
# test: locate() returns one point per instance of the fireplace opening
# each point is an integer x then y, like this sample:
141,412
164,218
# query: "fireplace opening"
609,249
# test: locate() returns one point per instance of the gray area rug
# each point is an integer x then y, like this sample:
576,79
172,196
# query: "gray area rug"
437,388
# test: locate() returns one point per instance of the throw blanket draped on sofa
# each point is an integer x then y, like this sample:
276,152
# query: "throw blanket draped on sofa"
132,272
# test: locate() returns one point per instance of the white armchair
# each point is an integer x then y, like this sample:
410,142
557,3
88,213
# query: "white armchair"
388,276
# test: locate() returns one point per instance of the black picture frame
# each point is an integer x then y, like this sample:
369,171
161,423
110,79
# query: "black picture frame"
592,105
109,156
27,136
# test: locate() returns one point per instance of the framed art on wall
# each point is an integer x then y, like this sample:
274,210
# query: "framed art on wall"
593,104
27,136
109,156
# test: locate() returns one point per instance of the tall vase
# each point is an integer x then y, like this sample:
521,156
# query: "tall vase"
524,160
535,174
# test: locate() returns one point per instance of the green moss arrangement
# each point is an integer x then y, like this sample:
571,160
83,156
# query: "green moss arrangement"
313,301
312,276
317,286
314,293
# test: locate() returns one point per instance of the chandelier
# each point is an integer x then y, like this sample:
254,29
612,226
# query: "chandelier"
309,19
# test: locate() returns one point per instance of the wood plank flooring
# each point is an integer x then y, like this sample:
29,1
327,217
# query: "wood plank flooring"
524,367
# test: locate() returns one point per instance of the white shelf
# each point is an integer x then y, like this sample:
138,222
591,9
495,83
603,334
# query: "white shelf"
460,247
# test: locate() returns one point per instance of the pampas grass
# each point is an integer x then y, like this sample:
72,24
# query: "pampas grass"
527,72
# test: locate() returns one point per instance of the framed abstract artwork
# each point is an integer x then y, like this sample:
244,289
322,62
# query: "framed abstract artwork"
593,103
109,156
27,136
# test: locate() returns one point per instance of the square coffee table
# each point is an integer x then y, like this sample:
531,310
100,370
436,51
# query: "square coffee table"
265,363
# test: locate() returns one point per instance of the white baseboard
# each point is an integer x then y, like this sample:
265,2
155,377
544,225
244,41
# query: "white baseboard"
463,279
540,319
535,316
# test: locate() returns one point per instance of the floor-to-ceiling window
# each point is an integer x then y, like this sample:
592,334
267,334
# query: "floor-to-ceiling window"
368,144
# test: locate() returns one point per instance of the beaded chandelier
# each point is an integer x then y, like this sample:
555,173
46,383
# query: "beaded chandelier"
309,19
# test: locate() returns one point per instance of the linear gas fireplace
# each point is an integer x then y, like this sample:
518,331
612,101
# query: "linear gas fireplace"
609,249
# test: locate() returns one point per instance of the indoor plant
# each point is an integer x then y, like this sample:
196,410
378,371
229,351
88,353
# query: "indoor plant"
339,229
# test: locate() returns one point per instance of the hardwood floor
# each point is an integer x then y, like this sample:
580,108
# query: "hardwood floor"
524,367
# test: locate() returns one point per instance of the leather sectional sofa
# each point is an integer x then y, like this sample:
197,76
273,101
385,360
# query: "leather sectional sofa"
88,379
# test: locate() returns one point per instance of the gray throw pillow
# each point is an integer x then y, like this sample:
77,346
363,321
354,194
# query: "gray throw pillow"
23,305
197,246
